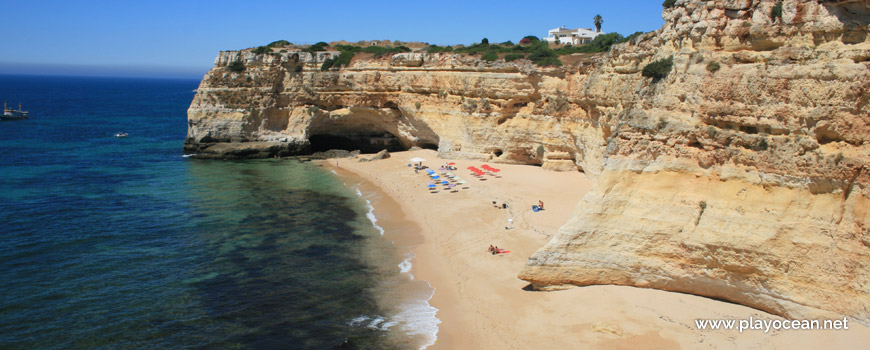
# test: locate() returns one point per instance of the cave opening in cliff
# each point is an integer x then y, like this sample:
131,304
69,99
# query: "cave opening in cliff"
426,145
365,143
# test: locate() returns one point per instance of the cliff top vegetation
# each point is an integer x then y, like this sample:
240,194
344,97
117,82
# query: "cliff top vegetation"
530,47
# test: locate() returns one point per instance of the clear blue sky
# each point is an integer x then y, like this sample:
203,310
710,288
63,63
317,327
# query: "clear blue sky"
181,38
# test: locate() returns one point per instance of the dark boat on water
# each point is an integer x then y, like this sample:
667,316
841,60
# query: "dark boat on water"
13,114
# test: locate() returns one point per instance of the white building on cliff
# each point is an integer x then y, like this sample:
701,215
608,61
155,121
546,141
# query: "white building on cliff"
577,36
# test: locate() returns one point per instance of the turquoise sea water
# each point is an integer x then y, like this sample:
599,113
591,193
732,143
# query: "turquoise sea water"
122,243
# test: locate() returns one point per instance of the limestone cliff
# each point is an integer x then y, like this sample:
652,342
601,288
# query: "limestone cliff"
741,175
746,183
461,105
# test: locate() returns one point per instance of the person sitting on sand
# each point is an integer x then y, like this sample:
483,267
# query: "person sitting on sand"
495,250
491,248
540,204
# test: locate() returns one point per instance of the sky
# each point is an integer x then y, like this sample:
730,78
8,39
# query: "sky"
181,38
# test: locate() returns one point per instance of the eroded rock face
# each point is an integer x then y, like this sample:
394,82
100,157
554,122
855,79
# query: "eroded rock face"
747,183
742,175
463,106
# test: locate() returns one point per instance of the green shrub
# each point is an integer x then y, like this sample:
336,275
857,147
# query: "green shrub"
545,57
548,61
236,66
658,69
343,59
601,43
320,46
485,41
669,3
279,43
529,39
713,66
513,57
534,49
261,50
327,63
378,51
507,43
436,49
776,11
477,48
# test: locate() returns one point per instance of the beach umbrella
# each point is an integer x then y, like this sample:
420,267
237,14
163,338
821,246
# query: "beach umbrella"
445,183
436,177
431,185
451,163
417,160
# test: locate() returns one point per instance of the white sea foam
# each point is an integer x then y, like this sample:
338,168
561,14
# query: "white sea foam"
371,216
405,266
356,321
416,318
188,155
376,322
420,319
334,172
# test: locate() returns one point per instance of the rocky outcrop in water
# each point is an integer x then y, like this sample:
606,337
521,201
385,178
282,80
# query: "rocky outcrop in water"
741,174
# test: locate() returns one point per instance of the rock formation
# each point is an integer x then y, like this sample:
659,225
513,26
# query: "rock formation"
747,182
742,174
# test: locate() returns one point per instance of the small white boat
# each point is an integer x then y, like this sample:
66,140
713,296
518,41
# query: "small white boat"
121,134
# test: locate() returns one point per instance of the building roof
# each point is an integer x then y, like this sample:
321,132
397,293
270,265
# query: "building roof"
579,31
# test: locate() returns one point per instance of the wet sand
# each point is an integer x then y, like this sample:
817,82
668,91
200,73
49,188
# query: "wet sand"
483,305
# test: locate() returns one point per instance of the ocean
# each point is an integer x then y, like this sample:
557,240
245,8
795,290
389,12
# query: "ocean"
123,243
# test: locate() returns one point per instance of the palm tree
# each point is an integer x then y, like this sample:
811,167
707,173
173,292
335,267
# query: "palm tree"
597,20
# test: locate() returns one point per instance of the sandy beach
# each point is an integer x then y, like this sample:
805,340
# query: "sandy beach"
483,305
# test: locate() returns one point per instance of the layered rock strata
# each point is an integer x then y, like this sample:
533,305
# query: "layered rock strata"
741,175
463,106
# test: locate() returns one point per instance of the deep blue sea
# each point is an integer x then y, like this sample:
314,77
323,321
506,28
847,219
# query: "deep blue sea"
123,243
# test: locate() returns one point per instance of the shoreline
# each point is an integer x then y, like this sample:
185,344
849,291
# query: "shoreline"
482,304
411,313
